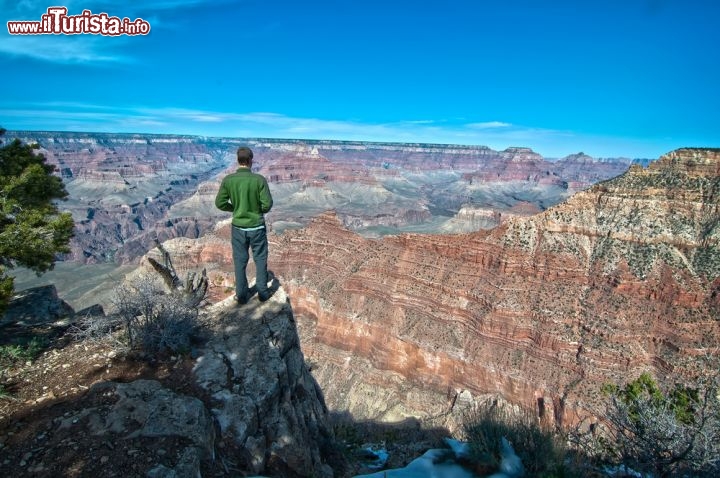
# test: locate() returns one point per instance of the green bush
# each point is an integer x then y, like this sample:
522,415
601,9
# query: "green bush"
18,353
14,354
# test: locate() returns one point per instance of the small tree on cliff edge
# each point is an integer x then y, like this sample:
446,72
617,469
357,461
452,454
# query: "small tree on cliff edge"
32,231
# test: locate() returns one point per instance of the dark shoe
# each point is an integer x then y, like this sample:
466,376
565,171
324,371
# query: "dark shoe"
240,300
266,296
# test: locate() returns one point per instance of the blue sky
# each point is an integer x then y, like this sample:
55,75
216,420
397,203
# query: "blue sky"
633,78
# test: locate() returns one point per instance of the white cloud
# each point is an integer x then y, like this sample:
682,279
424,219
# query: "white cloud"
488,125
66,49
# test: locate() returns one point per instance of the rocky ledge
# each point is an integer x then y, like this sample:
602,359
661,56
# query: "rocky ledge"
246,403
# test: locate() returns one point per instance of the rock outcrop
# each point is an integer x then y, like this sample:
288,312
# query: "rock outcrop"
246,403
145,409
38,313
264,397
620,279
38,305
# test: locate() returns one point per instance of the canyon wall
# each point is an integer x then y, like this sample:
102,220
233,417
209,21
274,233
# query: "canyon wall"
543,310
620,279
122,186
127,190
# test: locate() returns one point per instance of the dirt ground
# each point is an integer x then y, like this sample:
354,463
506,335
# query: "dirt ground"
44,432
45,429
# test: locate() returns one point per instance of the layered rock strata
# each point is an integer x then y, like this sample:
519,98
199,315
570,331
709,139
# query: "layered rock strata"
122,186
620,279
127,190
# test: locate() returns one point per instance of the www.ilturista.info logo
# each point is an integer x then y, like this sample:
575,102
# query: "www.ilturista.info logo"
57,22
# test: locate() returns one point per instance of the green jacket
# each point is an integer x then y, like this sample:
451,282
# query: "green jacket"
247,196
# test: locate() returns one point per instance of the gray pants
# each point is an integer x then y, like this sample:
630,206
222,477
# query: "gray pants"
241,242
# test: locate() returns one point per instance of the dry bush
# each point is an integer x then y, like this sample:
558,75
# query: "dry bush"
98,328
154,319
146,317
540,448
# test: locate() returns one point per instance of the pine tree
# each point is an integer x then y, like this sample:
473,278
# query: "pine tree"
32,230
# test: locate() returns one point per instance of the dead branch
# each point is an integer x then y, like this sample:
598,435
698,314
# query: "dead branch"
193,291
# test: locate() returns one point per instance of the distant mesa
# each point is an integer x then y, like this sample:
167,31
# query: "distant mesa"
376,188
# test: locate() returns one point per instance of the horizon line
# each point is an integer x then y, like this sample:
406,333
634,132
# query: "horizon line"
326,140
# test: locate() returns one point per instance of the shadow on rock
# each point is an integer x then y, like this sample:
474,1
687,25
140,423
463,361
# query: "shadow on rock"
243,403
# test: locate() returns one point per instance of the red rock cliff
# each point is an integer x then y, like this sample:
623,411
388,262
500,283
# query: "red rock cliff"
620,279
543,310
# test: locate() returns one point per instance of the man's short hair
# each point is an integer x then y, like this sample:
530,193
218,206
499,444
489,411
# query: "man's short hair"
244,155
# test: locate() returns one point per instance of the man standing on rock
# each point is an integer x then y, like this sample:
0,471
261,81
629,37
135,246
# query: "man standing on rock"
247,196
